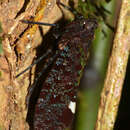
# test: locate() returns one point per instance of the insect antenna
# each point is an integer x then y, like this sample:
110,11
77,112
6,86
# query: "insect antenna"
38,23
65,6
73,10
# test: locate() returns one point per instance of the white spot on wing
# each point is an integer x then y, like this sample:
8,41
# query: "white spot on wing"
72,106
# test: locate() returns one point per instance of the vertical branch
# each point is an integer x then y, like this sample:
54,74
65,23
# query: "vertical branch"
111,93
89,96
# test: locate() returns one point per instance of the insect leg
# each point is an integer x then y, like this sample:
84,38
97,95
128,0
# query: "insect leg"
38,23
77,15
49,62
63,5
56,35
35,62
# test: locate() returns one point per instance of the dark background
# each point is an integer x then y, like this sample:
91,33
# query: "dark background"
123,117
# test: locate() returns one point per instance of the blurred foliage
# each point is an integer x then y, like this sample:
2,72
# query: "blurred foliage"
94,9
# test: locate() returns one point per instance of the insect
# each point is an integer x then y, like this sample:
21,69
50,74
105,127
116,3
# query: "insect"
59,89
61,84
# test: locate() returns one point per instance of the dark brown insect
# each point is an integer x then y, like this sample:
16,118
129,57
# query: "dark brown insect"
59,89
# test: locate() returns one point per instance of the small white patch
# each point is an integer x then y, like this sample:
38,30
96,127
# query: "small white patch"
28,46
72,106
49,3
28,36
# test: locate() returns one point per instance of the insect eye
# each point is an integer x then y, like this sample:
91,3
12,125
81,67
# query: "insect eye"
82,24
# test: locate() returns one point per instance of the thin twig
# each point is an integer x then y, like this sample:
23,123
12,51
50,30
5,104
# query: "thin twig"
111,93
